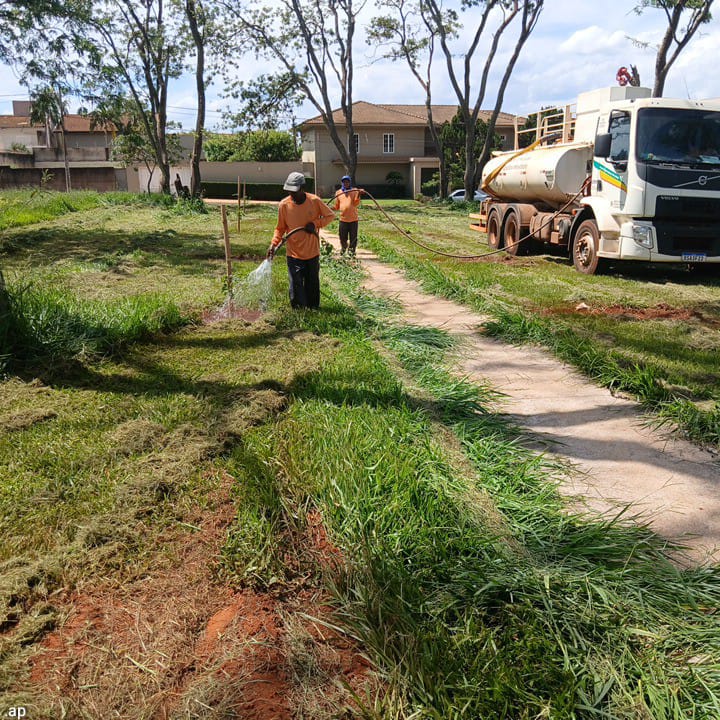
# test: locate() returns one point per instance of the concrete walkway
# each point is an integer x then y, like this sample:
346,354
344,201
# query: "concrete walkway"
616,459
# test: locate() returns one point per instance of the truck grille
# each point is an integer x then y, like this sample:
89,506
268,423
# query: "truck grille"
675,238
693,209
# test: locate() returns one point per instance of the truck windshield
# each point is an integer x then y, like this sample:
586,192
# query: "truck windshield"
679,137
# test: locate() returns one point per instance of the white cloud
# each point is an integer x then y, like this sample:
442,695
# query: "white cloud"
591,40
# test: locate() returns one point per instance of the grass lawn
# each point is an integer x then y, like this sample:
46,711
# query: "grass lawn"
356,470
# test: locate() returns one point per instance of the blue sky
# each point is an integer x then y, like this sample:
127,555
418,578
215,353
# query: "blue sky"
577,45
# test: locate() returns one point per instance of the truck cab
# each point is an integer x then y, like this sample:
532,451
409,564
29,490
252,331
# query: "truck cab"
655,192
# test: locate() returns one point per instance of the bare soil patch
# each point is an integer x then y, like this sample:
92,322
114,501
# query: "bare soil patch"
179,644
661,311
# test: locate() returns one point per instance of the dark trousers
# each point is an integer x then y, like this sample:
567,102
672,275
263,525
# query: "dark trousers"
304,278
348,230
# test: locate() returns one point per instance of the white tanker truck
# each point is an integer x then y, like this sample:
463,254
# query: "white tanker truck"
638,180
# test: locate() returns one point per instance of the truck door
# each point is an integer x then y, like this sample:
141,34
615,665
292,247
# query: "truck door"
610,174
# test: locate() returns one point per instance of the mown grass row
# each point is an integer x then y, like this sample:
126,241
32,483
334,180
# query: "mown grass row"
474,590
27,207
612,369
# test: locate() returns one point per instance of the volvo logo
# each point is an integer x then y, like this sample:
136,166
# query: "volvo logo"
702,181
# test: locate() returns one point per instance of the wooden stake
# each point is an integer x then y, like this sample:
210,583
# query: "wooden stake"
238,207
244,198
226,238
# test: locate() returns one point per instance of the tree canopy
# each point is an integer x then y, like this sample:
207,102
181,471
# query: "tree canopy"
256,146
684,19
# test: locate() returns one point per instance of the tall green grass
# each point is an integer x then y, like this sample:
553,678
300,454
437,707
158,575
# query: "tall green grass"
471,585
51,326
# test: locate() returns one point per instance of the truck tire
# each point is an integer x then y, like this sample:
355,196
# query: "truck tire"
585,249
494,240
511,234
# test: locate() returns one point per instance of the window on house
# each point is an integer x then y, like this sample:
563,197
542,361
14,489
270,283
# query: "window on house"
355,143
388,143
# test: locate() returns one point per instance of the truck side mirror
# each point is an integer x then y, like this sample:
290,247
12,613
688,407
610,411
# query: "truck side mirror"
602,145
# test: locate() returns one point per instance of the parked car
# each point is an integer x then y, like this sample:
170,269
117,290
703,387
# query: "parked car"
459,195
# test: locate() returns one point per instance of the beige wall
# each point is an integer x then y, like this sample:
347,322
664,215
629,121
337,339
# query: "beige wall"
75,154
22,136
97,139
16,160
319,151
376,174
102,179
409,142
250,172
267,172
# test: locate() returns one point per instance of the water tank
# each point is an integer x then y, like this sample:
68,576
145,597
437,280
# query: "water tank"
548,174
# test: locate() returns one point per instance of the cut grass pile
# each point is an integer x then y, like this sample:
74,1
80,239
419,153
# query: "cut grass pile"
449,553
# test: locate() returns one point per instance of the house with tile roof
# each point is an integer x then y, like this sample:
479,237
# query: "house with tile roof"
388,138
27,150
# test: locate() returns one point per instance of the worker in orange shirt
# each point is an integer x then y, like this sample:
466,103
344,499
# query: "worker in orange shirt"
347,200
300,216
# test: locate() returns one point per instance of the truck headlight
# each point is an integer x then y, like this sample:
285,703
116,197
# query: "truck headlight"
643,235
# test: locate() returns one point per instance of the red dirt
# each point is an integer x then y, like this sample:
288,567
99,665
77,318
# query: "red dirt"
661,311
159,644
328,555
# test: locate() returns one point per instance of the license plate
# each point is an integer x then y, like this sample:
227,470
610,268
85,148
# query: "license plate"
694,257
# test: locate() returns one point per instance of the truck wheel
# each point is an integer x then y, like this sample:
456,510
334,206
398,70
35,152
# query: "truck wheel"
511,235
585,249
493,230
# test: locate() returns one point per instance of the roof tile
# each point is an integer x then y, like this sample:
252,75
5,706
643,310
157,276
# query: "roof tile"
366,113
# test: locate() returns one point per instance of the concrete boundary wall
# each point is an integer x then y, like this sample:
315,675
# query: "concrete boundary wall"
249,172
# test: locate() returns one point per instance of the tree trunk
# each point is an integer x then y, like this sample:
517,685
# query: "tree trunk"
470,159
65,156
191,12
151,172
437,140
161,117
661,64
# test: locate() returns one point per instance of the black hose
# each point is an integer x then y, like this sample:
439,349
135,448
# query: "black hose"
472,257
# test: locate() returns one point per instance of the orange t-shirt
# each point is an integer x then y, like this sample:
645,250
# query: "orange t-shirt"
301,245
347,202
